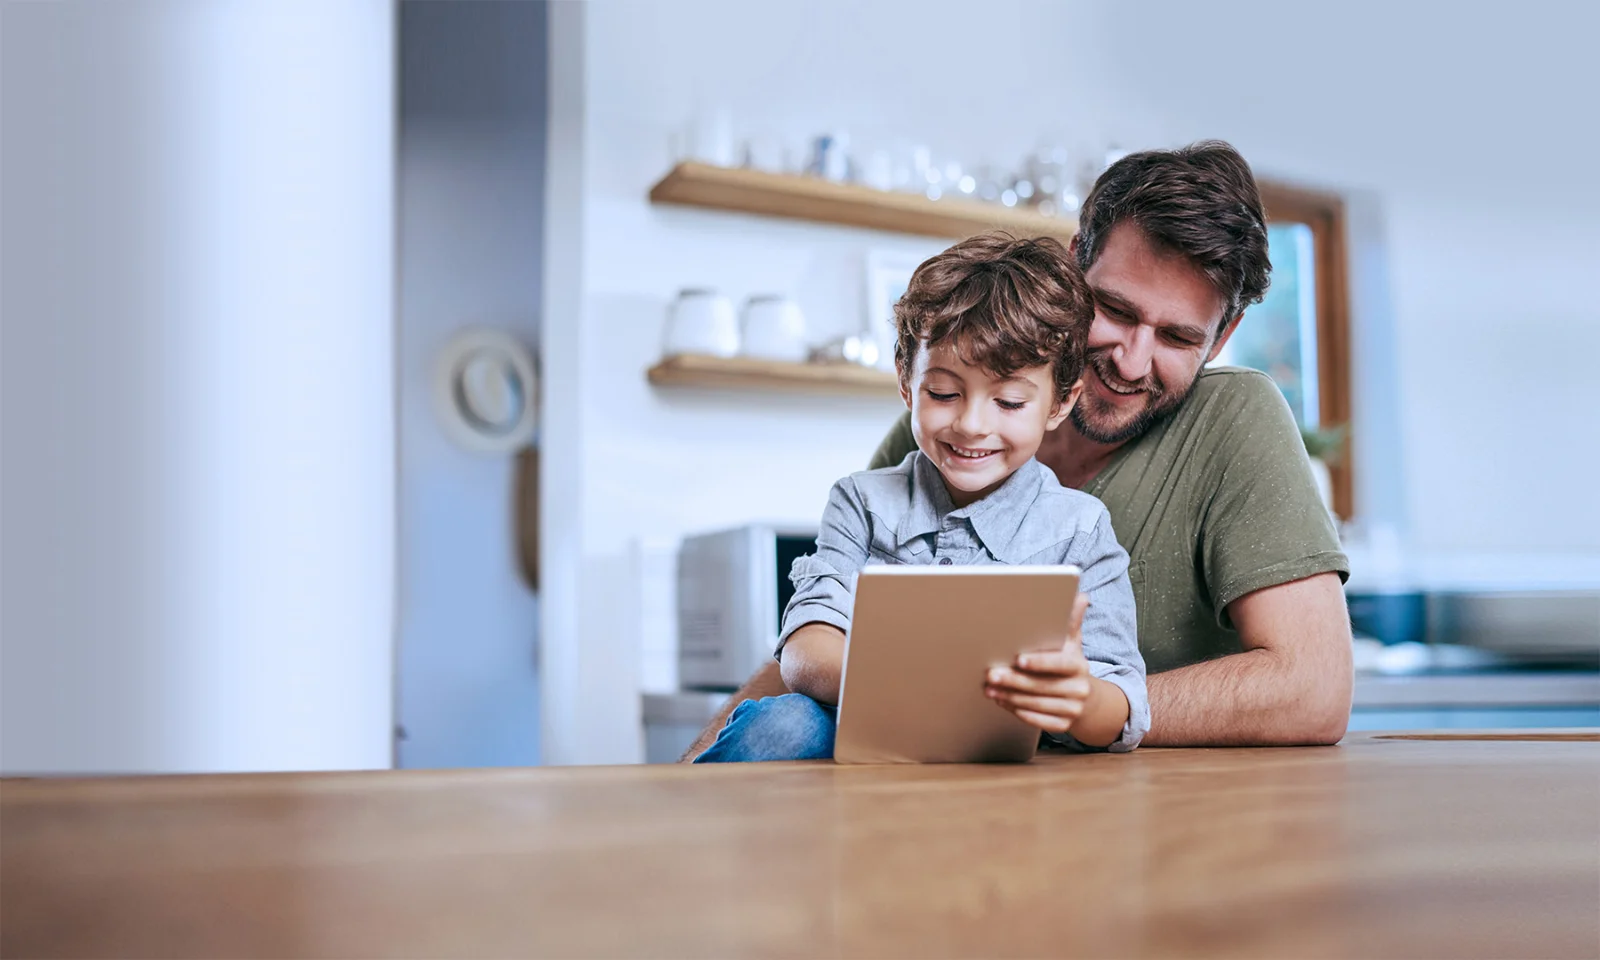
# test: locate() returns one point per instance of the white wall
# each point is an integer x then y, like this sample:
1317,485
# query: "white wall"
197,390
1468,248
471,161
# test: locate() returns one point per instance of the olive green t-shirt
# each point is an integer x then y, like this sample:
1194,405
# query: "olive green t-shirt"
1212,503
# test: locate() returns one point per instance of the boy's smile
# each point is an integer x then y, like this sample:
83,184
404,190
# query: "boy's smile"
976,426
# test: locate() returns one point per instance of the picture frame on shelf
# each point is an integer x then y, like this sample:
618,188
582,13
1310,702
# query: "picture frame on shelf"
888,275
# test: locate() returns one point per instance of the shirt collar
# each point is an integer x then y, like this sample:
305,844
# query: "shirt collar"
996,519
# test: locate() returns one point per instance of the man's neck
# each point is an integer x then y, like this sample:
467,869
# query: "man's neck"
1073,457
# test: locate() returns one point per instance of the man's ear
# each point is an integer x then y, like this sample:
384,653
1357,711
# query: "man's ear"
1222,338
1058,413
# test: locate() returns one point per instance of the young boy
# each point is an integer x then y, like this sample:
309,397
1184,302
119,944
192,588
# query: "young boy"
990,348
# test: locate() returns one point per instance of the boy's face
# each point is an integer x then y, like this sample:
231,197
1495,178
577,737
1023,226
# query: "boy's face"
976,427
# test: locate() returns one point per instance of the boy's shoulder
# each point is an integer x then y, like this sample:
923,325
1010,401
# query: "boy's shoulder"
1057,514
886,490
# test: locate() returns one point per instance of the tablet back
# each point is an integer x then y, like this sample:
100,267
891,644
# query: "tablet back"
921,640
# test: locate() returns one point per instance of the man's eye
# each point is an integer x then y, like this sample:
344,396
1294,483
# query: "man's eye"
1178,340
1012,404
1116,316
941,397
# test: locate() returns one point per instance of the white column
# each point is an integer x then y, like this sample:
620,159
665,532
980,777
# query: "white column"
198,473
565,710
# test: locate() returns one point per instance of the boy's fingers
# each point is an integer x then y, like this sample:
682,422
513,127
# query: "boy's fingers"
1065,662
1080,606
1044,721
1050,685
1053,706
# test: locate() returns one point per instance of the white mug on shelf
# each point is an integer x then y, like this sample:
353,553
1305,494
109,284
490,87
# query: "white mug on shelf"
774,329
702,321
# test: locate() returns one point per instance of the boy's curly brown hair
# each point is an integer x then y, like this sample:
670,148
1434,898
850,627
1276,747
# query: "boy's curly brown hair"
1006,304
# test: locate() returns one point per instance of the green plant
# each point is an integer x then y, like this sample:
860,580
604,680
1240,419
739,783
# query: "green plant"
1326,444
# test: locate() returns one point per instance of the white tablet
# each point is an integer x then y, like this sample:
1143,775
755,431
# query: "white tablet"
922,639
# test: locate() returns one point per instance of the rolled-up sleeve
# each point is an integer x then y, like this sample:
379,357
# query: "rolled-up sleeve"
824,583
1110,628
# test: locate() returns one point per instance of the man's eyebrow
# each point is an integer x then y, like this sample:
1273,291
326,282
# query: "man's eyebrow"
1187,330
1124,305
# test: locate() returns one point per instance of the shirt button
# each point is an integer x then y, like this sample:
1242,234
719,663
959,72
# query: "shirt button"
944,561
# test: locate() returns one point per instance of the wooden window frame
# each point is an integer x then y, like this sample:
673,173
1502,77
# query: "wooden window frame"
1324,214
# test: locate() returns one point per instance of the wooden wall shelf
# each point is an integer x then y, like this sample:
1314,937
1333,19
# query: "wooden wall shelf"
744,373
823,201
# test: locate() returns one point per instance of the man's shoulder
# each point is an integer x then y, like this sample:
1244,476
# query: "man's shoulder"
1233,405
1235,389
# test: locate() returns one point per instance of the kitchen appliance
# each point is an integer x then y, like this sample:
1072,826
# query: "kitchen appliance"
732,588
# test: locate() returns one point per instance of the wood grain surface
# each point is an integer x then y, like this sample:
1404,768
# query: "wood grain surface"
1378,847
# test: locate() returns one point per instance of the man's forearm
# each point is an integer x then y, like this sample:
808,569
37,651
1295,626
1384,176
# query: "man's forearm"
766,682
1252,698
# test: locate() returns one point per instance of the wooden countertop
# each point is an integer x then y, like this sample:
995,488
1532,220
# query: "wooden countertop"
1377,847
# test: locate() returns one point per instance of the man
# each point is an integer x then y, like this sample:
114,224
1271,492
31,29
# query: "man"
1235,564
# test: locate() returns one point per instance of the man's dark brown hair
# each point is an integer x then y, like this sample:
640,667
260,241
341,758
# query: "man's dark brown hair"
1006,304
1201,202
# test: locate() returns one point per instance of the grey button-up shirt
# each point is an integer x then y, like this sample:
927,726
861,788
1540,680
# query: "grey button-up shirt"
903,514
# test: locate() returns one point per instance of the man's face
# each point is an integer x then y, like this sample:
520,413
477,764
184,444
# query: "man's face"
1156,323
976,427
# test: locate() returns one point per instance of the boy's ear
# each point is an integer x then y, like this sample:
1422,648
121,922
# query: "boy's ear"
1058,414
905,382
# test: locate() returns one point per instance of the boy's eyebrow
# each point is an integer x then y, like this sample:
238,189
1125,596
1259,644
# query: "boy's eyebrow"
1019,379
1014,378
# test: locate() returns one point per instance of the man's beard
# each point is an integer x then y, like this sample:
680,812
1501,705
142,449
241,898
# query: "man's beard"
1159,404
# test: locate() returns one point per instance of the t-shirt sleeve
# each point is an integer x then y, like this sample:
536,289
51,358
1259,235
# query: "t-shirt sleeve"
895,445
824,582
1265,524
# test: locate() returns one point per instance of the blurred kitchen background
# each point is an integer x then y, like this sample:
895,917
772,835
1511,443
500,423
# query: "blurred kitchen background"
449,384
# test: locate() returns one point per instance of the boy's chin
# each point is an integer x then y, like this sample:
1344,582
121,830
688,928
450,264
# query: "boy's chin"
974,480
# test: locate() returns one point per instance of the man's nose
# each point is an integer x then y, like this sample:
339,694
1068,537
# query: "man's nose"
1133,355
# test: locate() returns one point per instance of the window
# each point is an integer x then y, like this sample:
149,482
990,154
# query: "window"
1299,335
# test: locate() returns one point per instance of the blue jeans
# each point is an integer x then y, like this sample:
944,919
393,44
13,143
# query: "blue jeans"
790,727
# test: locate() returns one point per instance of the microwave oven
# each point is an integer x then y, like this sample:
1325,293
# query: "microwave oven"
732,588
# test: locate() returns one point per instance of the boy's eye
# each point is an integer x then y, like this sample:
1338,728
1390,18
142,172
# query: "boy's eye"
941,397
1012,404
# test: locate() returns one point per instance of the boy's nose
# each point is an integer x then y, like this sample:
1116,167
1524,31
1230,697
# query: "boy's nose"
974,421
